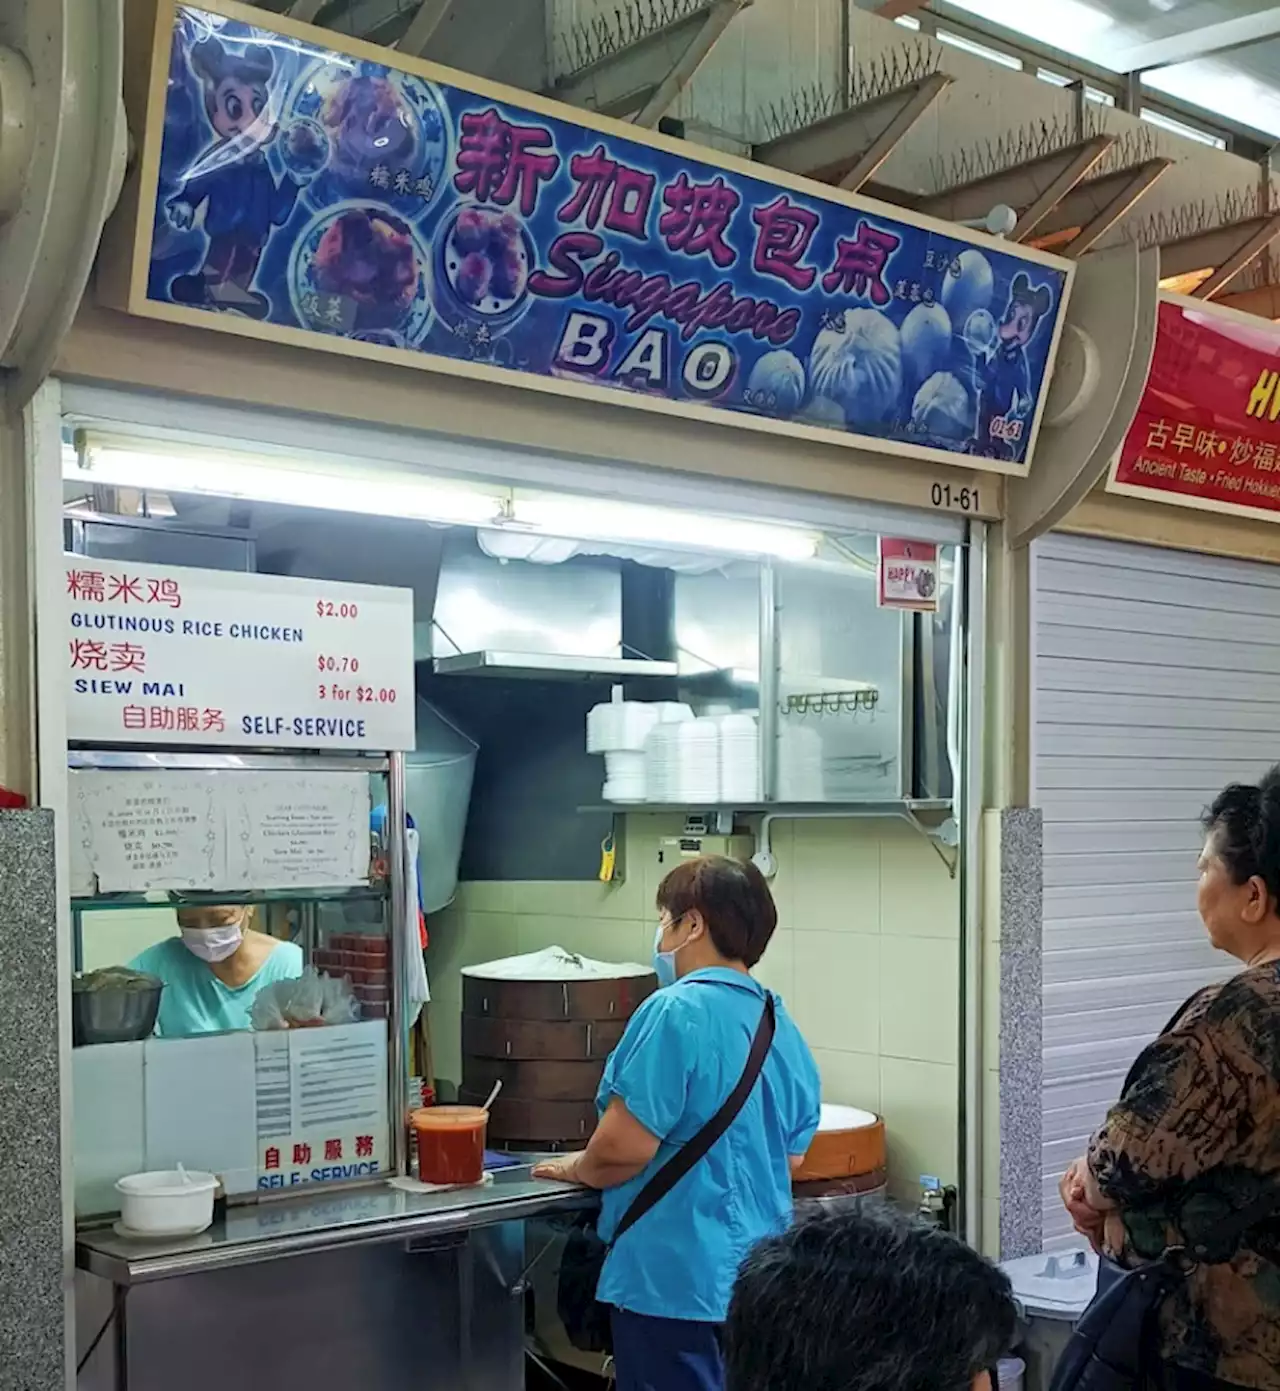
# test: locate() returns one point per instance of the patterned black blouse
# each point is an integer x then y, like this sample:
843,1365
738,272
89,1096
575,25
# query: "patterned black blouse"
1194,1138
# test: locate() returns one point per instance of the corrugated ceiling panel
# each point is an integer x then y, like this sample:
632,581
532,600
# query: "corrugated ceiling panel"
1153,686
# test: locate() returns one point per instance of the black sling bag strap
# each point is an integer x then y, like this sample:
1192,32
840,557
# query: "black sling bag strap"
585,1320
704,1141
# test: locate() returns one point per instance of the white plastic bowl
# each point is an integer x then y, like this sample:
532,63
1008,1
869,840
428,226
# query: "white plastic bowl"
165,1201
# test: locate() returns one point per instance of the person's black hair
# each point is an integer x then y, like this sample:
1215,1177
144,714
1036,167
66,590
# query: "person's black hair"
733,898
1244,824
867,1300
211,63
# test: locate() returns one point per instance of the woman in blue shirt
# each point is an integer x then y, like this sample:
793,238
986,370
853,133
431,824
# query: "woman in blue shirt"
669,1277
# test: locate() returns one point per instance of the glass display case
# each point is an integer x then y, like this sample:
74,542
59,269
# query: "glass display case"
288,1068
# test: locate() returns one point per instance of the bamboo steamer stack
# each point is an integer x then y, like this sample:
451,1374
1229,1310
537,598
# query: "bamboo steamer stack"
543,1025
847,1157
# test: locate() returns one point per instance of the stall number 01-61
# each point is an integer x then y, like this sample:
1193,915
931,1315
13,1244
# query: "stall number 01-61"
955,499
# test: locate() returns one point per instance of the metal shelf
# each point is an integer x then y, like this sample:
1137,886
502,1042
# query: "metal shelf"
170,760
552,666
894,807
105,903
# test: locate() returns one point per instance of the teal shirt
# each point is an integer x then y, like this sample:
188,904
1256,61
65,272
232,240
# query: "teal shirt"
682,1054
195,1001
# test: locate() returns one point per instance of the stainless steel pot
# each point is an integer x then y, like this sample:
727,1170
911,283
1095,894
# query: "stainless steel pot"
114,1013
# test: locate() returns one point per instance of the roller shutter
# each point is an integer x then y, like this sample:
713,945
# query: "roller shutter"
1155,681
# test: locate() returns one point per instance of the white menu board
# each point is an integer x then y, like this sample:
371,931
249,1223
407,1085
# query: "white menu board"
165,656
134,832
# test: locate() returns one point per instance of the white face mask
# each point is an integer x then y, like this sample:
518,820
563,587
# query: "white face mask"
212,943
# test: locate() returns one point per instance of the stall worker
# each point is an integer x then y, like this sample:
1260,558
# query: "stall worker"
213,969
668,1278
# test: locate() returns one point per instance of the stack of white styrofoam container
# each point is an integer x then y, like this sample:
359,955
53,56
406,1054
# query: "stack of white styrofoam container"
739,760
694,777
622,731
662,753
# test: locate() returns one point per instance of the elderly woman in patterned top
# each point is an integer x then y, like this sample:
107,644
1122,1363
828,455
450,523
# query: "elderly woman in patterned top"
1195,1136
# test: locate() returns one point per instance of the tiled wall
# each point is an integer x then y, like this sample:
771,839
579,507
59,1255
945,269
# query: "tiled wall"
866,957
114,936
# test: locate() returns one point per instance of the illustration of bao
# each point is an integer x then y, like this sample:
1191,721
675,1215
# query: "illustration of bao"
1005,402
231,182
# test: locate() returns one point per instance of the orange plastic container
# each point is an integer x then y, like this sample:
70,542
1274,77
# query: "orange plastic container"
450,1143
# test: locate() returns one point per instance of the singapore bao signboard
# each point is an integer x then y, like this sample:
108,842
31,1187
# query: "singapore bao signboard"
305,188
213,658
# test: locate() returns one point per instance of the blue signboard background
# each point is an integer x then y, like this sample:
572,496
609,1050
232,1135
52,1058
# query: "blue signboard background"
313,190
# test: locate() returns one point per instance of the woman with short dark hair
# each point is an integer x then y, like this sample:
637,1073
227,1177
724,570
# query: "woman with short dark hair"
684,1052
1194,1140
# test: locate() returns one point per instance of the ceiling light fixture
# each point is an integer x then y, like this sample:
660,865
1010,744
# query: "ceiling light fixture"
174,468
593,519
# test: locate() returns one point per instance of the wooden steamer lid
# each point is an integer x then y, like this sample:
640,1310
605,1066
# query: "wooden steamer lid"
849,1143
544,1124
539,1079
587,998
534,1039
543,1025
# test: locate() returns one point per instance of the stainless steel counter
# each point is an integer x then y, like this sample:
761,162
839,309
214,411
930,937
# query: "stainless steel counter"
294,1226
323,1290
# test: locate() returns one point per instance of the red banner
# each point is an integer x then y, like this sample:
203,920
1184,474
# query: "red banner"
1207,433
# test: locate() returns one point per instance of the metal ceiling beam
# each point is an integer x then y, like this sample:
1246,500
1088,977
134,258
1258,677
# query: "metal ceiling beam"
1033,188
426,20
1092,209
1200,43
722,14
647,76
1255,241
1219,247
895,9
1264,301
848,148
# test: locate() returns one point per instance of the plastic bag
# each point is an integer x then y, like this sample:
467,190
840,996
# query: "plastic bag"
307,1002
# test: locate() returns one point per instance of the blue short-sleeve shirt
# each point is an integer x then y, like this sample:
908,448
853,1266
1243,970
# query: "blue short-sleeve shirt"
683,1052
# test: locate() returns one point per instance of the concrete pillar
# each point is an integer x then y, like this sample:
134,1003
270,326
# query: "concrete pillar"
36,1228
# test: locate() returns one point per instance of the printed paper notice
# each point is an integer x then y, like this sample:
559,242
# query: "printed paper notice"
307,831
322,1105
140,832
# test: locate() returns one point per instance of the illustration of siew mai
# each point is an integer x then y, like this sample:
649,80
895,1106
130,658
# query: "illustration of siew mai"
232,180
1005,401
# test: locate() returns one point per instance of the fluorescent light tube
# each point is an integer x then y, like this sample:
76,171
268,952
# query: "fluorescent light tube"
263,478
590,519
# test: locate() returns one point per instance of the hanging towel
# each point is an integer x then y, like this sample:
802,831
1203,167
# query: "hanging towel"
377,824
417,988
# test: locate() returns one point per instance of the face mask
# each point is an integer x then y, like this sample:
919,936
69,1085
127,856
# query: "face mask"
212,943
664,962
